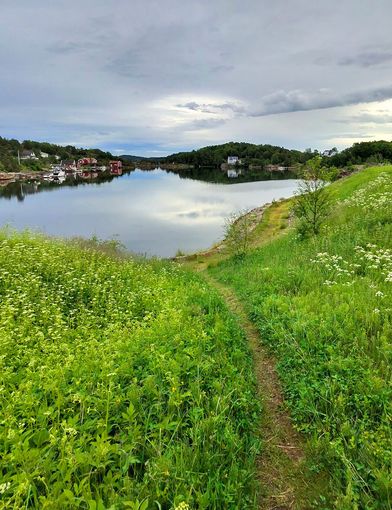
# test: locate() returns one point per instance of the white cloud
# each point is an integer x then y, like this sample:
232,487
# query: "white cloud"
174,74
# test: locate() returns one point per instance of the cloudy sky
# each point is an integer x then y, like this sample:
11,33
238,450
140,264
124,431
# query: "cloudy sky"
152,77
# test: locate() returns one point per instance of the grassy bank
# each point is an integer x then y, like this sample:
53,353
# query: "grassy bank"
323,305
123,385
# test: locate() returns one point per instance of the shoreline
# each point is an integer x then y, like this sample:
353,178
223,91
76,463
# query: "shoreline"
7,177
256,215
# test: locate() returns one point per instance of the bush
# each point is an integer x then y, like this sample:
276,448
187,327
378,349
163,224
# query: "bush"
237,234
312,204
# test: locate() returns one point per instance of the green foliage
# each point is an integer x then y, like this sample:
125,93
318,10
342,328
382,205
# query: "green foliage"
312,204
363,152
215,155
124,384
237,234
324,307
9,154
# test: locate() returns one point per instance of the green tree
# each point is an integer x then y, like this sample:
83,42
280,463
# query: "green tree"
312,202
237,233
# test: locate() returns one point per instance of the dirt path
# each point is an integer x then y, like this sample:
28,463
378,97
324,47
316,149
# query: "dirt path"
280,466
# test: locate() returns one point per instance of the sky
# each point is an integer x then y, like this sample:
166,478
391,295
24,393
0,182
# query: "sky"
151,77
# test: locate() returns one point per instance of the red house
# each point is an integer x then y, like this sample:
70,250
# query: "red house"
115,167
87,162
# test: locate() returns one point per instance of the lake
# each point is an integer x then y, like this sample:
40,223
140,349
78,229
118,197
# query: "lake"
150,212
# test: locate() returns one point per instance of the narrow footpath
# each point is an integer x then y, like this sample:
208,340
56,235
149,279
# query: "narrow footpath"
281,469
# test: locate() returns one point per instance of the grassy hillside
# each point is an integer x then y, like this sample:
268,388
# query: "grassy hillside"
323,305
120,381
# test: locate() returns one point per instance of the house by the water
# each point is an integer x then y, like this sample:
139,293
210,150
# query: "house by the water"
233,160
28,154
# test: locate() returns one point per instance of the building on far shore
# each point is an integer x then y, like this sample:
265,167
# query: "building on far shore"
44,155
233,174
69,165
28,154
233,160
328,153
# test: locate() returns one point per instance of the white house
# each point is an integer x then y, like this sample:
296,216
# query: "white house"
232,160
330,152
233,174
28,154
44,155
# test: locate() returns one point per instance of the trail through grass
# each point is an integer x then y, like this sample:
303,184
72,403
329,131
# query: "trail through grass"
284,477
323,307
129,384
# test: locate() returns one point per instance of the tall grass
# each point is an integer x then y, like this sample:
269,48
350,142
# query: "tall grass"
323,305
123,385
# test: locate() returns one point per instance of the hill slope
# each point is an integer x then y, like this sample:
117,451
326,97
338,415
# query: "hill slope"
9,154
249,153
120,381
323,306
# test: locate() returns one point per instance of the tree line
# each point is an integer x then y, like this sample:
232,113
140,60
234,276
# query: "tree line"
9,149
212,156
362,153
262,155
249,153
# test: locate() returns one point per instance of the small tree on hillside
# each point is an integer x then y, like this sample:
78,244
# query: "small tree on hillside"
312,203
237,234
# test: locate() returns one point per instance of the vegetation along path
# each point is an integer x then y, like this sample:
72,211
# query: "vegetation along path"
281,466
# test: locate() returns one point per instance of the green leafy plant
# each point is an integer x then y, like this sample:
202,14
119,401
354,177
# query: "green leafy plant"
312,204
124,383
237,234
323,305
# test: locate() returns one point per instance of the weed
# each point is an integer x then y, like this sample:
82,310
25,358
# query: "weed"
323,306
124,384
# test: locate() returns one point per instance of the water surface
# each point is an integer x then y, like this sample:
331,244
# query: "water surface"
150,212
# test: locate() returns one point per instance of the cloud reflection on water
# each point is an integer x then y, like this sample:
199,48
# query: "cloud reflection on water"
150,212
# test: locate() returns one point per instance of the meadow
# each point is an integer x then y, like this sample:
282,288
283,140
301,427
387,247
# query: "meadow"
323,305
124,384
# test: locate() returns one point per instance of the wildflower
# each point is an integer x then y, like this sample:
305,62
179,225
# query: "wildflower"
182,506
4,486
379,294
376,310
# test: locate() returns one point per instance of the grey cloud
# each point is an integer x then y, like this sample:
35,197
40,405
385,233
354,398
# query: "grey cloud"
191,214
211,107
354,136
202,213
203,124
367,59
368,118
297,100
113,72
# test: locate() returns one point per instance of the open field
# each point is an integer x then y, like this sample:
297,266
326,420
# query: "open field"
122,382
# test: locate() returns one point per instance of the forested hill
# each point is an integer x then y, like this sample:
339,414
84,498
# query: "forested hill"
9,153
214,155
211,156
249,153
364,152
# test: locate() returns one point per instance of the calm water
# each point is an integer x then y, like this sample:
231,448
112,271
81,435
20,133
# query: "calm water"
154,212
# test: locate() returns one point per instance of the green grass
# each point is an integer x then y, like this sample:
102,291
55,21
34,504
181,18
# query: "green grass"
323,305
123,384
